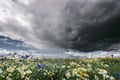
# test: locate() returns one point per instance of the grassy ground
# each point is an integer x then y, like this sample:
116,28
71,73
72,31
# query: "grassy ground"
60,69
114,66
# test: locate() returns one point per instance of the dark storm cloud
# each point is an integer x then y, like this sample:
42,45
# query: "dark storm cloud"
96,28
84,25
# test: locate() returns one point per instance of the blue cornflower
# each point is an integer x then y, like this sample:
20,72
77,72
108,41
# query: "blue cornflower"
40,65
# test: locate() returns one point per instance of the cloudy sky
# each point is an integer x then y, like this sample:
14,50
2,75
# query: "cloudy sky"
83,25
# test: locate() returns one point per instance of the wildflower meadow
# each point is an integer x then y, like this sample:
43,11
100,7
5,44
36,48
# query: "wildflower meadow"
60,69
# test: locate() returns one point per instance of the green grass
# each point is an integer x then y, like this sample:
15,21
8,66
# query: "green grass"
60,69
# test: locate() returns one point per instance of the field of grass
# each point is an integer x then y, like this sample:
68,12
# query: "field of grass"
60,69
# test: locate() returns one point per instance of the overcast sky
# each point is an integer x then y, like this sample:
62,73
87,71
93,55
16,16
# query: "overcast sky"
83,25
